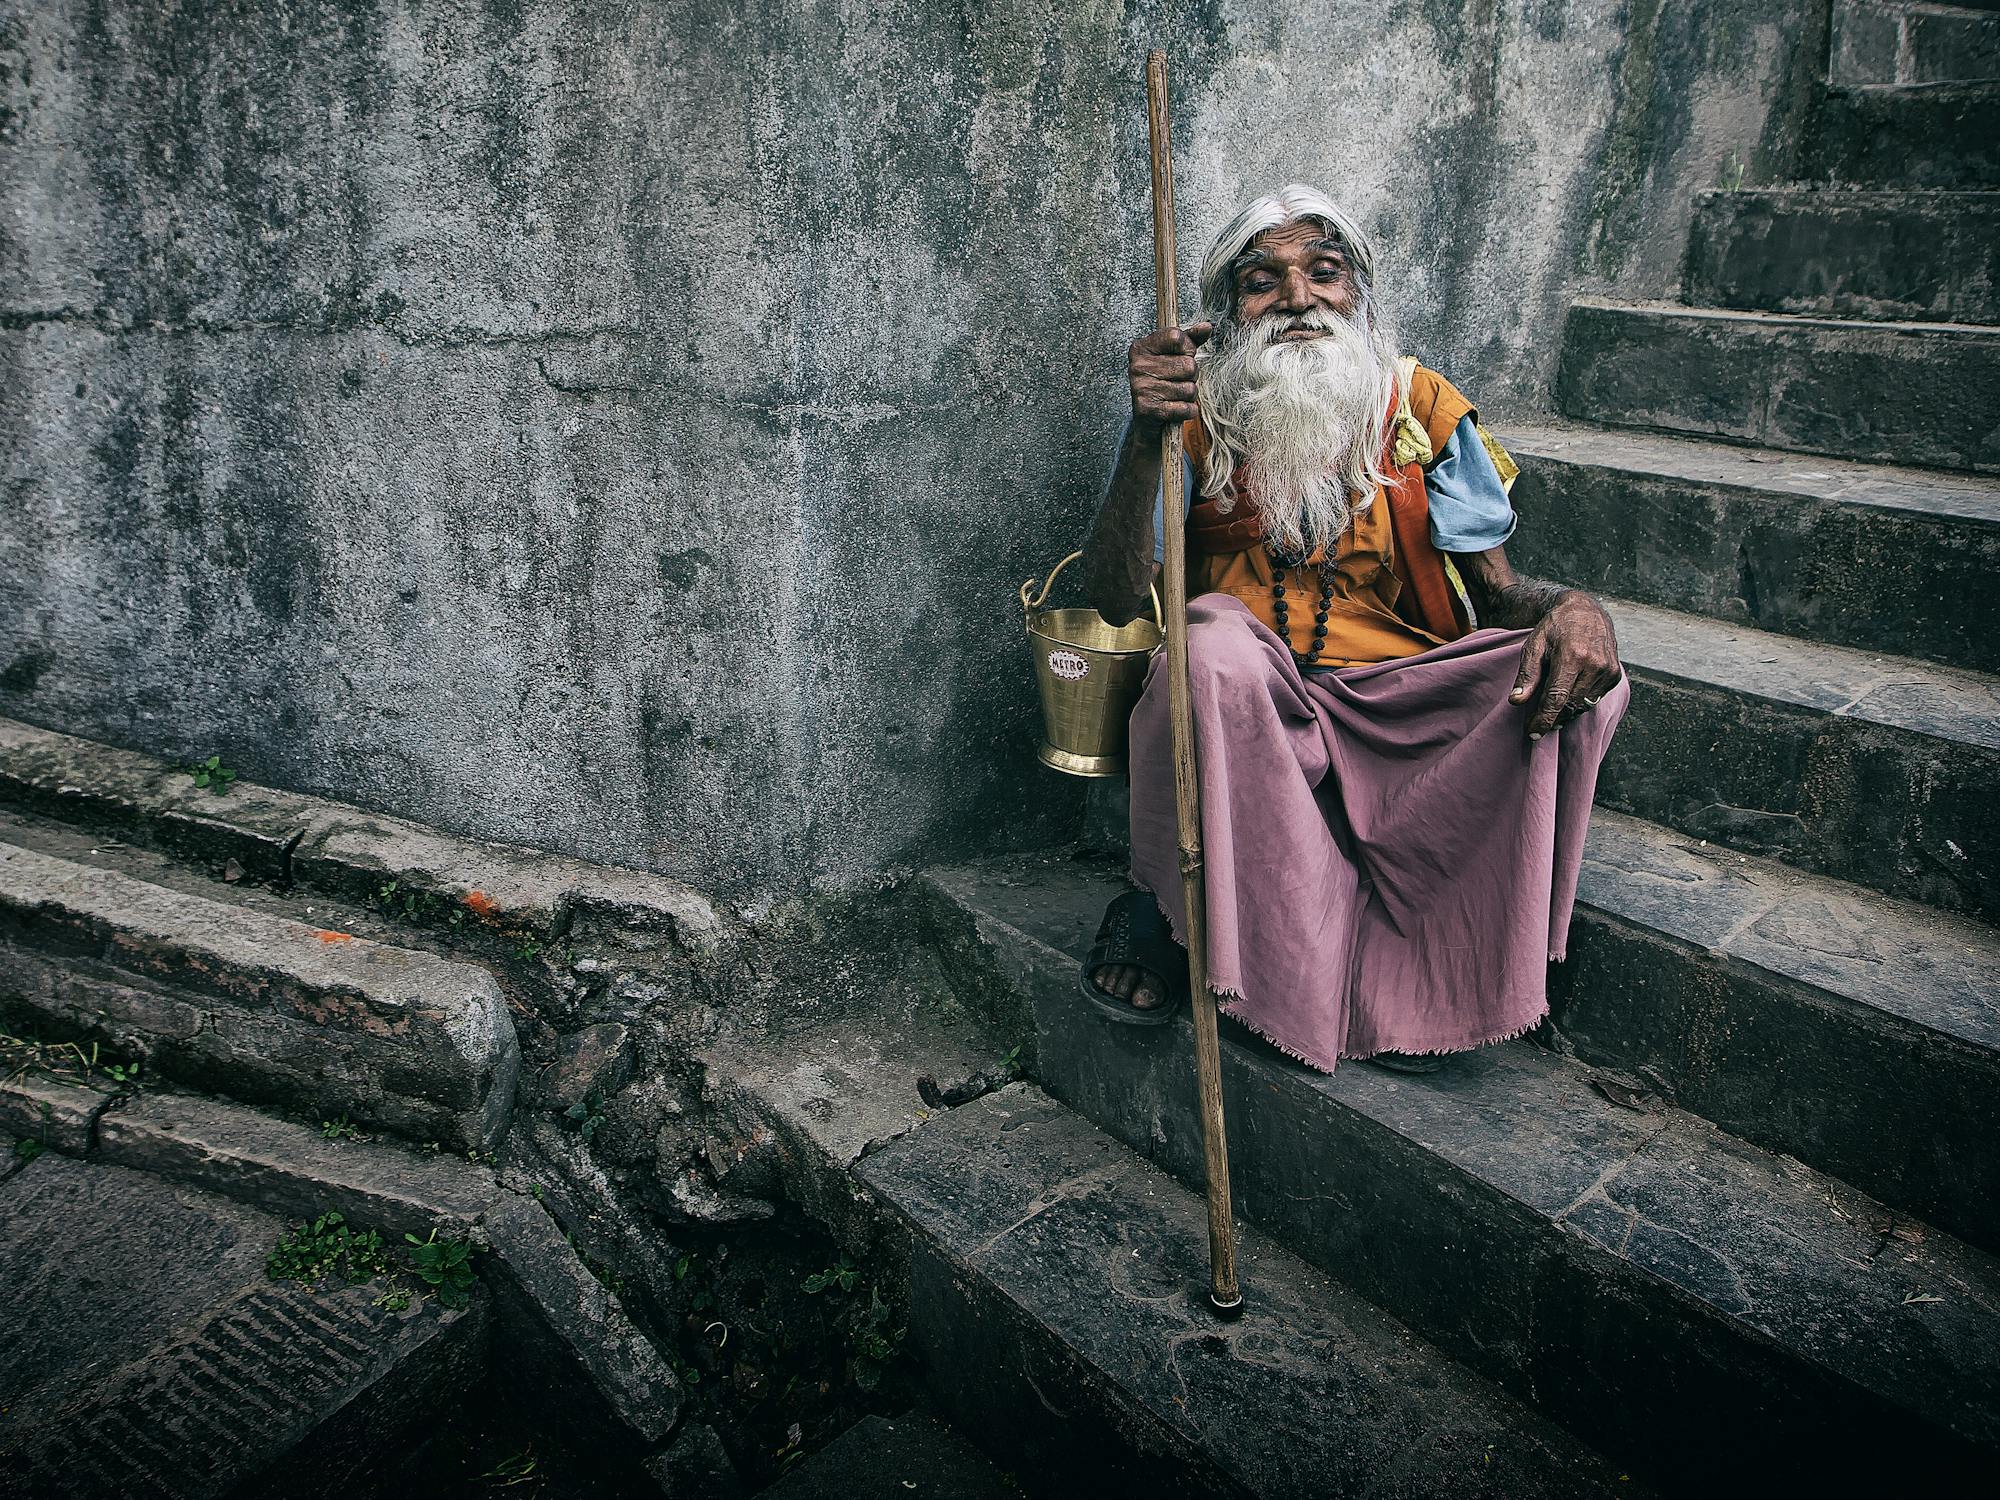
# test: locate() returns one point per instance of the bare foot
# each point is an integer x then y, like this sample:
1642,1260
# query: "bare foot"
1129,983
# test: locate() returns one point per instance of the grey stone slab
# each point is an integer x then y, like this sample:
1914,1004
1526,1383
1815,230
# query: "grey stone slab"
1881,559
1426,1189
1810,1015
1906,960
1884,42
1872,768
1483,1206
60,1114
1852,1031
1054,1261
146,1351
695,1466
1848,389
145,1257
1932,135
828,1083
284,836
1950,44
292,1169
1853,253
259,1006
1867,42
1915,697
910,1457
583,1316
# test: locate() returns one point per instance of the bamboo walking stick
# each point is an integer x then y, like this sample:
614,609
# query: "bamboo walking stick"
1223,1291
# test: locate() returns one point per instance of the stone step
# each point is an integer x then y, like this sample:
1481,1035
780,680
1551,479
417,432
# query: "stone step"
1938,135
240,1001
143,1349
1877,769
491,897
1895,560
1924,394
1058,1307
1857,1033
1907,41
1642,1274
1918,256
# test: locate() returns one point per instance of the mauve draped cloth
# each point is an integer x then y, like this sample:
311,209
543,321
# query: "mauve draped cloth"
1391,862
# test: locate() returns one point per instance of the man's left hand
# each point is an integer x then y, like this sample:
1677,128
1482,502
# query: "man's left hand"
1569,661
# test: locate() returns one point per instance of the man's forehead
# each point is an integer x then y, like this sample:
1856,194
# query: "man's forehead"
1300,237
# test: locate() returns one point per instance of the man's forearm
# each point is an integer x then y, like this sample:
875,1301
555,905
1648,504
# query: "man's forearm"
1519,605
1503,599
1118,558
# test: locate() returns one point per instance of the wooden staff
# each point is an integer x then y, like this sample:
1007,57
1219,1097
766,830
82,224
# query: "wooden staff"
1223,1292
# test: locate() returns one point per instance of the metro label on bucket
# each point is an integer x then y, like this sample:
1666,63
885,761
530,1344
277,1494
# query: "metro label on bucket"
1071,666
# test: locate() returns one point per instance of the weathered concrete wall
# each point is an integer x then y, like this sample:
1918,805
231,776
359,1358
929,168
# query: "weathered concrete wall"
621,426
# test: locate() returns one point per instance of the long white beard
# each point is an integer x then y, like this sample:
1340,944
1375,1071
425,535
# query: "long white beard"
1305,421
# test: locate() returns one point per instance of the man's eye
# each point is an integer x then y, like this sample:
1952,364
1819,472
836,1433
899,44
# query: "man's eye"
1258,284
1326,273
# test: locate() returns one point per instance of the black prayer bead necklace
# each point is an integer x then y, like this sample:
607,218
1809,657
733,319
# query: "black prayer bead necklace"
1280,610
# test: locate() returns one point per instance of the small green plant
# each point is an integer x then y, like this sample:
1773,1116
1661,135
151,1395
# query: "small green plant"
72,1062
875,1342
415,907
396,1299
1730,176
588,1113
211,775
1010,1061
527,948
340,1128
445,1266
327,1247
517,1468
845,1275
124,1075
27,1148
607,1278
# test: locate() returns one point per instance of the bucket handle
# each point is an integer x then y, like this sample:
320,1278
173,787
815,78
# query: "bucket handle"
1035,603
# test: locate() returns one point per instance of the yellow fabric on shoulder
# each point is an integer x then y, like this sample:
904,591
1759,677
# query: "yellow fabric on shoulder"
1437,405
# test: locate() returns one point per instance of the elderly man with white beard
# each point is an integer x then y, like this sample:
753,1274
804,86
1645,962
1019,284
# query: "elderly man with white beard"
1398,736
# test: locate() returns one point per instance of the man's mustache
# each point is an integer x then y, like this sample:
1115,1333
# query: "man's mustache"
1318,319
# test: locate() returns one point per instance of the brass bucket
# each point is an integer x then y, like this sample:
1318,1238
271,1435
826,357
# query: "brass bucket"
1090,672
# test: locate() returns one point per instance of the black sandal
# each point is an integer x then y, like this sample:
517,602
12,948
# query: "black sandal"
1134,932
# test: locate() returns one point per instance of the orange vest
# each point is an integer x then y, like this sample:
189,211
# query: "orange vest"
1392,596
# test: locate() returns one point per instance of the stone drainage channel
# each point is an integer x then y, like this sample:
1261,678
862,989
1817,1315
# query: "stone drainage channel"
339,1156
167,1290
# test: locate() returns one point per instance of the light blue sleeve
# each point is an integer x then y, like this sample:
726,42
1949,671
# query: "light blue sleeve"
1470,511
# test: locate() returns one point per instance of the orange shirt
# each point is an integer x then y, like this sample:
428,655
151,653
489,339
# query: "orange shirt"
1361,625
1392,596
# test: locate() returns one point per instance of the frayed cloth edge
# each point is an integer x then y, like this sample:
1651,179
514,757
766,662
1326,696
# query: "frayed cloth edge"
1226,1001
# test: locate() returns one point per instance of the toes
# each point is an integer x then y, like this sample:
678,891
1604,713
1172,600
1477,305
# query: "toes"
1144,996
1115,980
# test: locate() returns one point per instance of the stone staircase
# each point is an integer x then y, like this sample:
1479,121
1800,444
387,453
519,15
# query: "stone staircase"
1732,1221
1730,1224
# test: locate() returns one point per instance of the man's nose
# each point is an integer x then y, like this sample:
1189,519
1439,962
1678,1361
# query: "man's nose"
1296,291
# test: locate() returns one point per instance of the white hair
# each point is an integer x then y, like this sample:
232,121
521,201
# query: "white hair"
1308,420
1286,206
